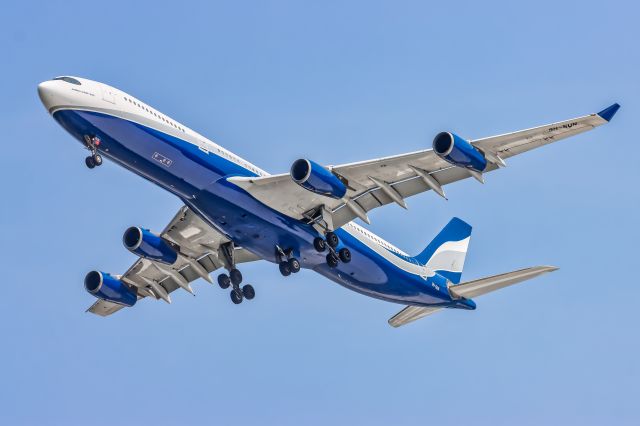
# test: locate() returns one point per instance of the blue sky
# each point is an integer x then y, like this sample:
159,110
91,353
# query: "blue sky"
335,82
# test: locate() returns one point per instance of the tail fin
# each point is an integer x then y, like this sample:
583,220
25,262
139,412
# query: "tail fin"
446,253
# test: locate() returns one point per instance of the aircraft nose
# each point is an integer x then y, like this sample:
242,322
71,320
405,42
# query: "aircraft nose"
46,92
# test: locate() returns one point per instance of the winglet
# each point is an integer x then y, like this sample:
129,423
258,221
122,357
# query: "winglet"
609,112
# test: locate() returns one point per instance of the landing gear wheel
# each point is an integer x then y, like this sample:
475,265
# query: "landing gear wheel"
332,260
332,240
224,281
235,276
248,292
97,159
345,255
294,265
236,296
285,269
319,244
90,162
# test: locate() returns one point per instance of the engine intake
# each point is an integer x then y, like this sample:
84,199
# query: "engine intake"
105,287
144,243
315,178
457,151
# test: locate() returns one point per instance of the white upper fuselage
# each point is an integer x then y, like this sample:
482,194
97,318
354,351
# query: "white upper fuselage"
94,96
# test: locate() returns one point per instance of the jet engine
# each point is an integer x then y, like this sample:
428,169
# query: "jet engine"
457,151
315,178
106,287
144,243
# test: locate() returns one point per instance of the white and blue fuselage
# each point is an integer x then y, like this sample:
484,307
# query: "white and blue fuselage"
169,154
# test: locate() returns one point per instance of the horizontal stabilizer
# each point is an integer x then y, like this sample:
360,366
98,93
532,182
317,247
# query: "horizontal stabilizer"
471,289
486,285
410,314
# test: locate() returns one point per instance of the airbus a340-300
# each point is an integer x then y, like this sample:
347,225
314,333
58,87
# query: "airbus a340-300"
235,212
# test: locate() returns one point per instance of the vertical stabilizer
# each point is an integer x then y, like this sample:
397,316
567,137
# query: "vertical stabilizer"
446,253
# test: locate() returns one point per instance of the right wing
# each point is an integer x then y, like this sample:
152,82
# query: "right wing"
375,183
200,248
469,290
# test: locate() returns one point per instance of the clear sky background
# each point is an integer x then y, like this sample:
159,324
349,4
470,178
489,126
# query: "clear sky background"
336,82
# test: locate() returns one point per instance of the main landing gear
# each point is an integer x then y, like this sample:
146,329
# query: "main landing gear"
334,257
288,264
92,143
234,278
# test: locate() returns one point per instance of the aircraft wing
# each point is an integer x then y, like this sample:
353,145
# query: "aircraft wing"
377,182
200,248
469,290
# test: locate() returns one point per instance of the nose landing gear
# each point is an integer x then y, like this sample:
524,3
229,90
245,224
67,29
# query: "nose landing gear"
93,161
92,143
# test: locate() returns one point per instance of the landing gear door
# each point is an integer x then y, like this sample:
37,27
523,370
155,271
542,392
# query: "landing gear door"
108,95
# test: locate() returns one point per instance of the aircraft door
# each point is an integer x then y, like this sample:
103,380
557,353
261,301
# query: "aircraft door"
108,95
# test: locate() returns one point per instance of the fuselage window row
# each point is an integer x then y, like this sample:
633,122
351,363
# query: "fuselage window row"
150,111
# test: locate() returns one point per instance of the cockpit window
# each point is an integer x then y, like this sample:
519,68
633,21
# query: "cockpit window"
69,80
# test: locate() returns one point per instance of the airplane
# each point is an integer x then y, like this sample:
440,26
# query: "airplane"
235,212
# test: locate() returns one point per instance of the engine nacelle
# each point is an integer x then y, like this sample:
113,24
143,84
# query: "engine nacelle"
105,287
144,243
315,178
457,151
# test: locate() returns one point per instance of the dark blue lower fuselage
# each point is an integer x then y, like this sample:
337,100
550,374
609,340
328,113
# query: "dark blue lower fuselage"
198,177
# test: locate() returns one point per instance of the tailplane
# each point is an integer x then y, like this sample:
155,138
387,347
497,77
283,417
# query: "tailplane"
446,253
470,289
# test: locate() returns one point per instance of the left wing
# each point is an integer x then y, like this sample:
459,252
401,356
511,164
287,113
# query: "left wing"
374,183
201,253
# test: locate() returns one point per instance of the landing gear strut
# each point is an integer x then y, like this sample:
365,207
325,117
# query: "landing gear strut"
234,279
92,143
